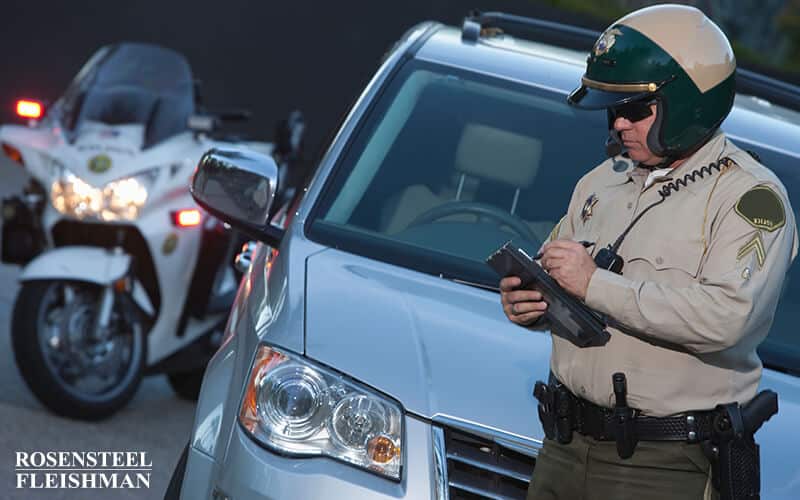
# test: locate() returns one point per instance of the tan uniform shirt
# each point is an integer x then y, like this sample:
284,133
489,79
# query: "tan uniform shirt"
702,276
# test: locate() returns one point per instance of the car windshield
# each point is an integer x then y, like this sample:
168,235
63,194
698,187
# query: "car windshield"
133,84
448,165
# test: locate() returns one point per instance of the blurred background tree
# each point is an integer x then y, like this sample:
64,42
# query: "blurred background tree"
272,57
765,34
788,21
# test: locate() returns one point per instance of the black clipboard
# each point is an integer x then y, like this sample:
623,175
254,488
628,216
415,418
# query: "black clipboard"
570,318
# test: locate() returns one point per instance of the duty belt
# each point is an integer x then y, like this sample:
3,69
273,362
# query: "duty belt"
726,434
598,422
561,413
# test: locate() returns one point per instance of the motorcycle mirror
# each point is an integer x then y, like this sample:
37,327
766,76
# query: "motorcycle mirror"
238,187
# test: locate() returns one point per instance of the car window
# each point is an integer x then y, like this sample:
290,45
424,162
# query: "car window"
448,165
781,349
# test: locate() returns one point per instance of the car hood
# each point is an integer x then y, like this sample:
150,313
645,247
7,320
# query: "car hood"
443,349
446,351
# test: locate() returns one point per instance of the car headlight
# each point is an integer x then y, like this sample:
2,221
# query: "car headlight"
298,408
119,199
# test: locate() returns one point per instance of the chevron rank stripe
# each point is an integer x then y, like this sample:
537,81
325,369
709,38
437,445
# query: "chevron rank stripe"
754,245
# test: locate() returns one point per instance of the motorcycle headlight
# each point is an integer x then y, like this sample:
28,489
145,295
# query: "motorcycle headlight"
125,197
73,196
119,199
298,408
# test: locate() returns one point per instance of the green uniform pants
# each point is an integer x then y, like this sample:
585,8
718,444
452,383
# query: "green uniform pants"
586,469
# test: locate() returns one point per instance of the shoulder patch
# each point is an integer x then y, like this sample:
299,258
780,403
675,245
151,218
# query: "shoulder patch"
762,208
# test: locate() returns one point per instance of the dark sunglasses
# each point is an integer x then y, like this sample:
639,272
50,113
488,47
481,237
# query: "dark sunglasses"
632,111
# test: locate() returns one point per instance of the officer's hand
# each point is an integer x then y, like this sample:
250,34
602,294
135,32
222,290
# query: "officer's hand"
570,264
522,307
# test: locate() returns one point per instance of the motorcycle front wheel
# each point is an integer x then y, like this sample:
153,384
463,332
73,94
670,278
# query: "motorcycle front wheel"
72,368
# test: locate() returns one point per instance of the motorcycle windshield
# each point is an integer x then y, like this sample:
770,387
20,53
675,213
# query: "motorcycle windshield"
135,84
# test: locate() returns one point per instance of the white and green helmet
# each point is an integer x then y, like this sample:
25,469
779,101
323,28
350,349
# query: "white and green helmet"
673,55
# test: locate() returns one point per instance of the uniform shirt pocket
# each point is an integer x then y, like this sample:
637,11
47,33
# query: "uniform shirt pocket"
677,257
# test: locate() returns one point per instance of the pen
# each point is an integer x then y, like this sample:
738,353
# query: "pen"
586,244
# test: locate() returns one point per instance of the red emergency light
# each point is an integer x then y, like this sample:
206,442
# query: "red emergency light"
187,218
30,109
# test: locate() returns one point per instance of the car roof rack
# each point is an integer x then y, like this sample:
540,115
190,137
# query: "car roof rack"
478,24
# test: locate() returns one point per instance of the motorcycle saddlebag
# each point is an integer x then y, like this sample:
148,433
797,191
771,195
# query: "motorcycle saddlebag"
22,239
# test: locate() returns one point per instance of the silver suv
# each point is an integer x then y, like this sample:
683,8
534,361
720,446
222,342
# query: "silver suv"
367,355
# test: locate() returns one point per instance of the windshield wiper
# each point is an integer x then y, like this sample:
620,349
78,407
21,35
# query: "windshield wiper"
476,284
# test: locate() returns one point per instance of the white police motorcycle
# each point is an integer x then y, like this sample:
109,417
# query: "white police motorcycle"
124,275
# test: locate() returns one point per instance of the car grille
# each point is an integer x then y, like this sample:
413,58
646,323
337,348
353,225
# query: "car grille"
478,468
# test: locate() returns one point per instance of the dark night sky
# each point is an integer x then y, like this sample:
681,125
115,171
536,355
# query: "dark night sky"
269,57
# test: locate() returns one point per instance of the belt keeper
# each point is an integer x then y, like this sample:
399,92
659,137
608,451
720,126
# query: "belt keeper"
691,429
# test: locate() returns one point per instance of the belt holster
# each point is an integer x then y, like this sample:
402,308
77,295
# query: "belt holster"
733,452
562,413
565,411
556,410
545,396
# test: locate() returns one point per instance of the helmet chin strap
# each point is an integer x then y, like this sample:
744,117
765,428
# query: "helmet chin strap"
615,147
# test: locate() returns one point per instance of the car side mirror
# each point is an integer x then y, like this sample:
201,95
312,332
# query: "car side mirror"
239,187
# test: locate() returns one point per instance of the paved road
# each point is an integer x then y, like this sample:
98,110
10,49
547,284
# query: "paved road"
156,421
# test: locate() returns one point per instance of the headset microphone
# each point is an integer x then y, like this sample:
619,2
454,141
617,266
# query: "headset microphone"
614,145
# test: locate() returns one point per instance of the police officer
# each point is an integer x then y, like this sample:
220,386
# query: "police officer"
705,235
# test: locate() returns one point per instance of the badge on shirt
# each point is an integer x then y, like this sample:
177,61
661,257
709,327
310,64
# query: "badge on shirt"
588,206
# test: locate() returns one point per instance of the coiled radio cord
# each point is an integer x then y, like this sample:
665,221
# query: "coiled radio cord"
609,259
